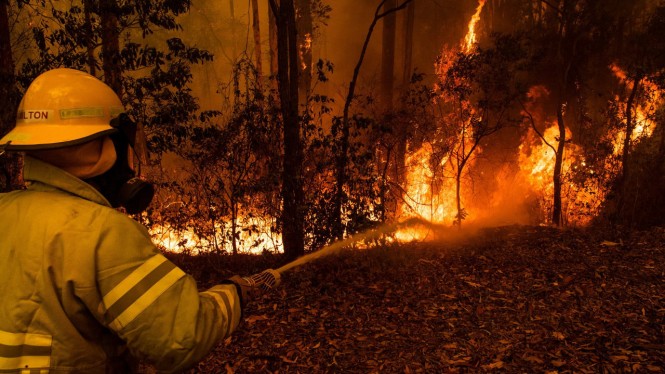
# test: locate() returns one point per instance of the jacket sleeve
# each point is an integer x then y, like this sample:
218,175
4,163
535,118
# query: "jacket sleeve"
153,305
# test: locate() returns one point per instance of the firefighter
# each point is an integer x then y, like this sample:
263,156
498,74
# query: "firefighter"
83,287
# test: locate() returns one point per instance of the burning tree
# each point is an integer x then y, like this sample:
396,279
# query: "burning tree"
641,77
478,92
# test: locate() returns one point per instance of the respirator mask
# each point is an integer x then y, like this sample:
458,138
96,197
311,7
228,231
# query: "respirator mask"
121,185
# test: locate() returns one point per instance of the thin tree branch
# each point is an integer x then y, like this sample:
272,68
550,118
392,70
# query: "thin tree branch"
533,126
556,8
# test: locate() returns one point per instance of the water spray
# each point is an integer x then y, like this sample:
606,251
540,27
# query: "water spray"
270,278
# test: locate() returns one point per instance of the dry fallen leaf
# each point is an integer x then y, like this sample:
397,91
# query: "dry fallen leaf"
254,318
558,335
495,365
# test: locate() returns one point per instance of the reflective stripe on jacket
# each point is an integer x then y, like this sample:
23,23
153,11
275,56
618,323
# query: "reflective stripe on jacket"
83,285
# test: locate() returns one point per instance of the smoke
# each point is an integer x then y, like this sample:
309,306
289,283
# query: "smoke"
224,28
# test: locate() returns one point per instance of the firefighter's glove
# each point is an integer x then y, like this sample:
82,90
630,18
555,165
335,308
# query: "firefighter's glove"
249,287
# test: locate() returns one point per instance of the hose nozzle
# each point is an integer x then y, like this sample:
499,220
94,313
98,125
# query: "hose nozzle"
267,279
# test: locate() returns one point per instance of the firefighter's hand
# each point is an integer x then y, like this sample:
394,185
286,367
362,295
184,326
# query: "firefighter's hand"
244,288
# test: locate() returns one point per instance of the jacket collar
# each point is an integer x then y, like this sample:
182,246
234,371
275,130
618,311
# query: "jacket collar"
46,177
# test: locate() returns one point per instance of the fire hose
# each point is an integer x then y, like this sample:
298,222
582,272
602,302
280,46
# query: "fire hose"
271,278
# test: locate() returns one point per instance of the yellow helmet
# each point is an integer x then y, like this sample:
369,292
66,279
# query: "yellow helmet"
63,107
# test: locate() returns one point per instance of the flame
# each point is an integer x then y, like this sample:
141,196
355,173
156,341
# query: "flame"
305,48
430,190
470,38
421,197
643,116
523,191
254,235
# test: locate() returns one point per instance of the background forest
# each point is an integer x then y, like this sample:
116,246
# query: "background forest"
289,124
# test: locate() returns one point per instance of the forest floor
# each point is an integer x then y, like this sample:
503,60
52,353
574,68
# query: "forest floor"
515,299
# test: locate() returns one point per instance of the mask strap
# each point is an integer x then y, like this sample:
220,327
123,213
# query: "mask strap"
130,130
3,147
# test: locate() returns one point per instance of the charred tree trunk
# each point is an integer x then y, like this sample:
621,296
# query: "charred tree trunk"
111,45
630,127
7,78
388,55
458,198
462,159
625,156
558,164
234,224
292,187
305,29
9,163
257,41
566,54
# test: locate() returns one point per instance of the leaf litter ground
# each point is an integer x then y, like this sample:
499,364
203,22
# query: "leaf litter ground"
510,299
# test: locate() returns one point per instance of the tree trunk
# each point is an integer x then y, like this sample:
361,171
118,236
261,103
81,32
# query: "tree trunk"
7,78
625,156
111,45
292,188
458,197
305,44
90,38
272,40
409,21
558,164
399,167
388,55
9,163
234,224
257,41
630,127
566,61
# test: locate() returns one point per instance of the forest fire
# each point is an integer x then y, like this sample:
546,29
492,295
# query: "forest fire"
442,166
348,186
430,190
442,178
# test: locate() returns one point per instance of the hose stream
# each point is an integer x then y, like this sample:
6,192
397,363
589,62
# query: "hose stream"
369,234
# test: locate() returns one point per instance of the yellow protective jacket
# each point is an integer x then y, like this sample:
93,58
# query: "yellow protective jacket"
81,284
